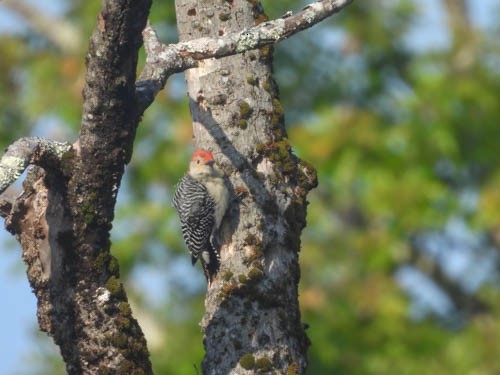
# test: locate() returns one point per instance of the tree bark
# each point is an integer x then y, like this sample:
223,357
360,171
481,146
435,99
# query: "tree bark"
63,218
64,215
252,320
164,60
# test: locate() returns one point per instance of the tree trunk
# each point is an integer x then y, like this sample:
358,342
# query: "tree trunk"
63,218
252,319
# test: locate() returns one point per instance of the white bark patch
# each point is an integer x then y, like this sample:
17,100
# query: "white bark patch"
265,167
227,251
13,162
246,41
11,167
102,296
312,10
222,43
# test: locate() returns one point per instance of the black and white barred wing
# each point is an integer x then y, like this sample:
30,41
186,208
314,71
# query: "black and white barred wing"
196,213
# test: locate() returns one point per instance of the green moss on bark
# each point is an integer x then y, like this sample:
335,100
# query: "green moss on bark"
247,361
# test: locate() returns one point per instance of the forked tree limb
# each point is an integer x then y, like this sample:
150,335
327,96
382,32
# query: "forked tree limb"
164,60
29,151
63,221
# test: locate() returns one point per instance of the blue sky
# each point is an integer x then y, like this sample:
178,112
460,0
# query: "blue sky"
18,318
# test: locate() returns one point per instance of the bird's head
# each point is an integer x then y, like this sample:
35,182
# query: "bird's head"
202,162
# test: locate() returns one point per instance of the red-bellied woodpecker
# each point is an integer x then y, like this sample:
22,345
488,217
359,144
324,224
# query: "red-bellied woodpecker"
201,199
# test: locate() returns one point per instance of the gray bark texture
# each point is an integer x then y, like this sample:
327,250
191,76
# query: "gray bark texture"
252,321
64,215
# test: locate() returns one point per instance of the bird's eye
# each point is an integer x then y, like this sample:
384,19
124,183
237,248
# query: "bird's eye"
197,161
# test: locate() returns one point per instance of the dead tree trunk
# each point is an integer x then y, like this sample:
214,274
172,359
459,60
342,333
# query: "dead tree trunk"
63,218
252,318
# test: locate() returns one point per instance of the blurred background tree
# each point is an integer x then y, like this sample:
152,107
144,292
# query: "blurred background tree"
400,260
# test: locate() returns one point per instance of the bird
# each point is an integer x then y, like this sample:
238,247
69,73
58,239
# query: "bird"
201,201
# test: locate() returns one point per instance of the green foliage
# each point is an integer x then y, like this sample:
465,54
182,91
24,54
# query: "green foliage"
379,154
12,120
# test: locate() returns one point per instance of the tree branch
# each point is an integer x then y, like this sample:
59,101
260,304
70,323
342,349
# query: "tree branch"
63,220
103,336
109,118
164,60
29,151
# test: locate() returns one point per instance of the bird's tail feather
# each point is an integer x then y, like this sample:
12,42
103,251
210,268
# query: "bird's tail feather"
211,267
